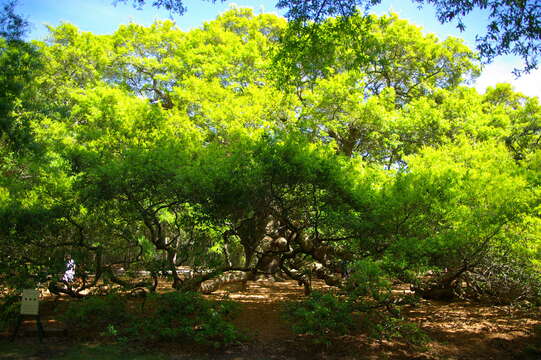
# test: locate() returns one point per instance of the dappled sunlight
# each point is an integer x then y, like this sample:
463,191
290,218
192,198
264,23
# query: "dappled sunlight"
265,290
464,330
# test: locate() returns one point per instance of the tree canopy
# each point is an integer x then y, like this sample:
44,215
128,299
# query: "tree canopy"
153,148
513,26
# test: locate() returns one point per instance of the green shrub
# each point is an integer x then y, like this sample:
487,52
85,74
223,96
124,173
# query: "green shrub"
322,316
178,316
367,303
9,309
368,283
96,313
186,316
396,328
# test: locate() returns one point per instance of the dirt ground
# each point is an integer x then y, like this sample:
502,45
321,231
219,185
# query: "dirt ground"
457,330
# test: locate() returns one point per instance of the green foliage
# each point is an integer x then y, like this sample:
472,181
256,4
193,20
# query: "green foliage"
325,316
367,283
396,328
185,316
160,148
322,316
21,63
95,313
387,52
177,316
9,310
512,27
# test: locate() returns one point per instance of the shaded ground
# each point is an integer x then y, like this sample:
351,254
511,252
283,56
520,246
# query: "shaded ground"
457,330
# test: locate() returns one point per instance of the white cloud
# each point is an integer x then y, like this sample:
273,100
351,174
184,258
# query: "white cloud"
501,71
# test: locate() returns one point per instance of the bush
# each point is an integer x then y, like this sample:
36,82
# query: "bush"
96,313
322,316
367,298
368,283
9,309
396,328
186,316
179,316
502,280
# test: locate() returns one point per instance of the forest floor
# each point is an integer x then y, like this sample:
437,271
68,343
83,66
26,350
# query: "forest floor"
456,330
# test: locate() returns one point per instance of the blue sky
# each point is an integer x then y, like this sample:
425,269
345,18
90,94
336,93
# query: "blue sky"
101,17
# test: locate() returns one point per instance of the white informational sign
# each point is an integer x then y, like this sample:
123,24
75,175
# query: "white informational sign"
30,302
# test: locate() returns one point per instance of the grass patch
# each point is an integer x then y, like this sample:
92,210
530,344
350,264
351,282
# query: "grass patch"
78,351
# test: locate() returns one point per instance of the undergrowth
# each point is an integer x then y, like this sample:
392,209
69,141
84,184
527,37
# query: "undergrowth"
176,316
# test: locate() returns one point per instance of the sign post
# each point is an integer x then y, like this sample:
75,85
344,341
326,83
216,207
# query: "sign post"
29,307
